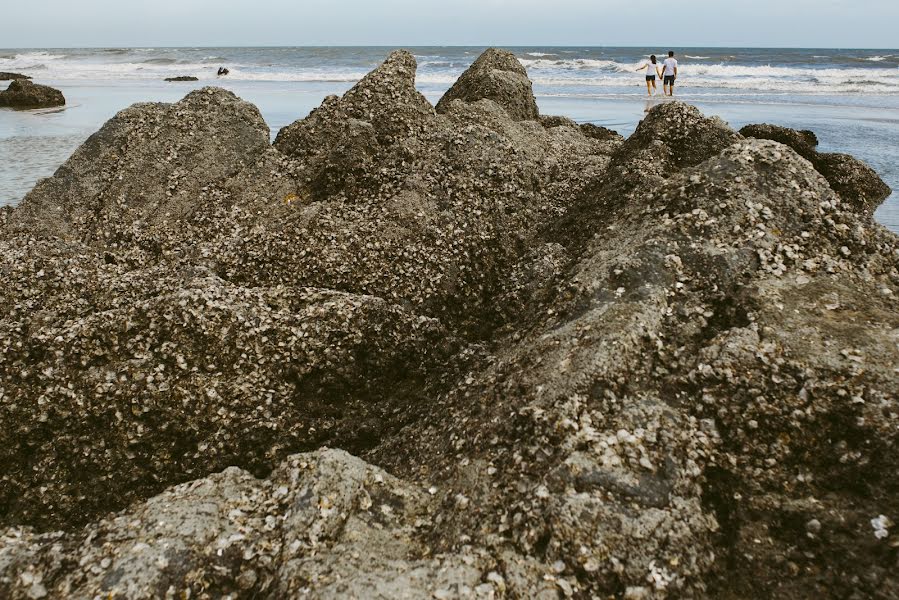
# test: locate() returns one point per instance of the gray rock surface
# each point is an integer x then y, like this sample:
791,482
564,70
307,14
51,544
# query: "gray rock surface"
582,381
21,93
8,76
498,76
855,182
182,78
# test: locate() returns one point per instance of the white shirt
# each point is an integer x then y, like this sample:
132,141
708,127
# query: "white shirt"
651,68
670,65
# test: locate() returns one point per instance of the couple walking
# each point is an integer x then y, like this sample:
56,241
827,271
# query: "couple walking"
669,72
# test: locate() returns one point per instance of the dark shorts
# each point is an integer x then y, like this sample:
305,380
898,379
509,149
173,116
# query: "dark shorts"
669,80
650,78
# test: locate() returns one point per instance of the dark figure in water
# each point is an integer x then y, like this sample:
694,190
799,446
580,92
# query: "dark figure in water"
223,71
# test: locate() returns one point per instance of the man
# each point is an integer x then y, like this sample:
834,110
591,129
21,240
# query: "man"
670,74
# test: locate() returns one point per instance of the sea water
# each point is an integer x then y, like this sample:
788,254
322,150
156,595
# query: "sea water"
850,98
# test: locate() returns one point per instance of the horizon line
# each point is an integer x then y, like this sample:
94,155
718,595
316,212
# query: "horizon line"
182,47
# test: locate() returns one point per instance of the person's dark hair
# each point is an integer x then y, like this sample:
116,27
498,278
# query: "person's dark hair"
671,53
652,57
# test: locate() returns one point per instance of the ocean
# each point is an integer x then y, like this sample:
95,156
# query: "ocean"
850,98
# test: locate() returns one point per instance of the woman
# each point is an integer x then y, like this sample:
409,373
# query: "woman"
652,70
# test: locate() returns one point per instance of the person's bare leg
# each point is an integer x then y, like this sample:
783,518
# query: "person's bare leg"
648,88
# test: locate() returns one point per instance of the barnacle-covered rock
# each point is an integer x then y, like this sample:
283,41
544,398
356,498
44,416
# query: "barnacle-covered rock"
145,168
498,76
21,93
855,182
656,368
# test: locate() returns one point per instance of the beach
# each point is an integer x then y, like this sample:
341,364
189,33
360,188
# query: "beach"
849,98
399,349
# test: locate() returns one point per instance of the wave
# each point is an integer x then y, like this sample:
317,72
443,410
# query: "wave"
30,58
576,64
879,58
160,61
539,54
696,57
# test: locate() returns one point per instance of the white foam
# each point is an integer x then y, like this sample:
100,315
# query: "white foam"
438,71
696,57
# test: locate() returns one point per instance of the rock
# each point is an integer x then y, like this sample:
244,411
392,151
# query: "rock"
182,78
598,132
386,98
7,76
672,136
569,365
21,93
498,76
148,166
855,182
803,142
556,121
231,533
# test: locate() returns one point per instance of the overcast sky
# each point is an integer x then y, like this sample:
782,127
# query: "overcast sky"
793,23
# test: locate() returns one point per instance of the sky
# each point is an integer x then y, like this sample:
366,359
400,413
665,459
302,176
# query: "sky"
684,23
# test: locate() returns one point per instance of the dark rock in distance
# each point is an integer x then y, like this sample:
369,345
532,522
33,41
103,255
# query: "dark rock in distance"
21,93
182,78
8,76
498,76
598,132
803,141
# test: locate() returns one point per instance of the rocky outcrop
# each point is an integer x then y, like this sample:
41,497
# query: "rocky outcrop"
145,169
804,142
21,93
8,76
855,182
182,78
557,383
671,137
322,512
498,76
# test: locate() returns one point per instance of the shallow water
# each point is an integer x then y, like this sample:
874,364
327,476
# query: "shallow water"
850,98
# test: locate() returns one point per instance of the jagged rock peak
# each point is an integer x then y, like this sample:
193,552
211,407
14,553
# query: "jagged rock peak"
386,98
690,136
498,76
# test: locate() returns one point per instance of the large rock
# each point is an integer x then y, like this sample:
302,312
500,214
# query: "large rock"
182,78
146,167
855,182
663,368
323,524
21,93
8,76
672,136
498,76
